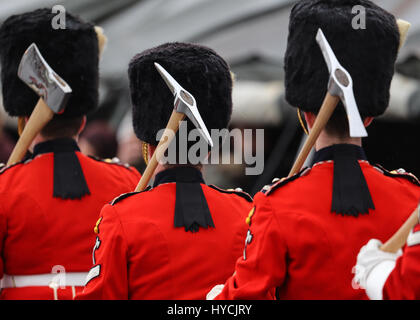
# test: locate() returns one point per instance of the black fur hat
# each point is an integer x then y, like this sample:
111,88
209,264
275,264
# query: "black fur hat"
198,69
71,52
368,54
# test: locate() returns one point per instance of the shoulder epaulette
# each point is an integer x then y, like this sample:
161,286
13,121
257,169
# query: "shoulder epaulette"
126,195
399,173
4,168
277,182
114,160
237,191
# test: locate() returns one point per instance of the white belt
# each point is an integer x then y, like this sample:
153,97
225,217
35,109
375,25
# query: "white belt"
72,279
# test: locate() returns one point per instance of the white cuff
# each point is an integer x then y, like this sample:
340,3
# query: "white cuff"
214,292
377,277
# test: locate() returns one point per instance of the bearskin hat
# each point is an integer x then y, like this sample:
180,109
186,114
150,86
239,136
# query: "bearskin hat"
71,52
368,54
198,69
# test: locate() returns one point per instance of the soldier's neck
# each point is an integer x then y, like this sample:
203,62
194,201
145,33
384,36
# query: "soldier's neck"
40,138
325,140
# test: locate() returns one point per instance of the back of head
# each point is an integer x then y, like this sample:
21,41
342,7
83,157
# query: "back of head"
71,52
198,69
368,54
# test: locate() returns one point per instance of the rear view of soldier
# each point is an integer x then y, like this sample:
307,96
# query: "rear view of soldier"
180,237
306,231
51,201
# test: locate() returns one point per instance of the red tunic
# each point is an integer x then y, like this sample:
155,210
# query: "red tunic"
141,255
298,249
38,231
404,281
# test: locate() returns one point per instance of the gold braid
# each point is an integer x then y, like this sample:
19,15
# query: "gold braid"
145,151
301,122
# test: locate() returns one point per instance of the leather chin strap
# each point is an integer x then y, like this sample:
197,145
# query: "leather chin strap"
21,124
301,122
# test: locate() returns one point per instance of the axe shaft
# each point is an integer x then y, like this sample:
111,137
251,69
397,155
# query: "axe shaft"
399,238
324,114
169,133
41,115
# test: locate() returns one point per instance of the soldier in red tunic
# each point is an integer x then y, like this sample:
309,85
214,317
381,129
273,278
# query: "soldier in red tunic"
51,200
390,276
180,237
306,231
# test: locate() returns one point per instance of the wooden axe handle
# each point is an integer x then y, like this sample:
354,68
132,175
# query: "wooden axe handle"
41,115
169,133
324,114
399,238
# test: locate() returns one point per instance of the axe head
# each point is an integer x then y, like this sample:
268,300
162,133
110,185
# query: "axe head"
184,102
38,75
341,85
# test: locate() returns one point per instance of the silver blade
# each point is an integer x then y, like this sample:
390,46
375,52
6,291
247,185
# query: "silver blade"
356,126
185,103
341,85
327,52
193,114
172,84
40,77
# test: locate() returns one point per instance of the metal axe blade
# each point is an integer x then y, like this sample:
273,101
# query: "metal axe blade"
341,85
53,94
185,103
40,77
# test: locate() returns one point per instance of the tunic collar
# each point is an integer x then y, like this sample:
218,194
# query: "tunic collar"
179,174
56,146
327,153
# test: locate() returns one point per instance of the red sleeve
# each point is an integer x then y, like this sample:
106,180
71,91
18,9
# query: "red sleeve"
262,267
107,278
3,232
404,281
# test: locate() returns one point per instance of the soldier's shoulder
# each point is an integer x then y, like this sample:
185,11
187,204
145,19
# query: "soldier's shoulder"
237,191
398,173
127,195
6,169
277,183
112,161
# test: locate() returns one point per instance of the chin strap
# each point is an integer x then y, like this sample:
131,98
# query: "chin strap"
21,124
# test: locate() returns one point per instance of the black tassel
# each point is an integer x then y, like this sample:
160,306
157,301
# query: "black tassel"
351,195
69,180
191,209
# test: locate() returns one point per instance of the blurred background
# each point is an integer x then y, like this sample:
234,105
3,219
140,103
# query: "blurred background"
251,35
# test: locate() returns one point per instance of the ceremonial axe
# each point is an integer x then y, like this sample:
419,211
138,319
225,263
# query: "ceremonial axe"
184,106
340,87
53,91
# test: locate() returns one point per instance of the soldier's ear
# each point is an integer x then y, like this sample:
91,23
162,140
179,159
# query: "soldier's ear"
367,121
82,125
310,119
102,39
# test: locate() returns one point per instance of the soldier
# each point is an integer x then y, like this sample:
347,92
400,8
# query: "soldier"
306,230
51,200
390,276
180,237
